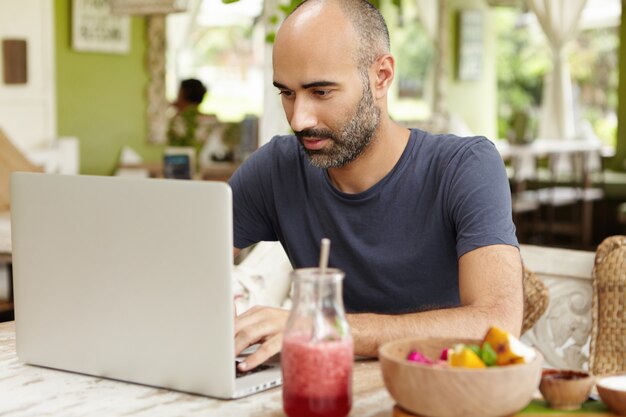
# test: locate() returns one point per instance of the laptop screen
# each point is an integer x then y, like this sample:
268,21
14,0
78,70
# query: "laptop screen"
125,278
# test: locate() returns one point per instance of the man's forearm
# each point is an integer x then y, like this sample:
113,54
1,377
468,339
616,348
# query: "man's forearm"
370,331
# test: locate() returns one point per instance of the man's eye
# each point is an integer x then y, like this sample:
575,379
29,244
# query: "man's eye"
321,93
285,93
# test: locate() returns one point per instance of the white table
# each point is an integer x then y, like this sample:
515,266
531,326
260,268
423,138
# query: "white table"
540,147
27,391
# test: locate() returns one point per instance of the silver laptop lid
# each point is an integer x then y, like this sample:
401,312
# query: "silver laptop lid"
125,278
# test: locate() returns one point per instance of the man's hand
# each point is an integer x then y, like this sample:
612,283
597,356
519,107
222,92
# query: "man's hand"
263,325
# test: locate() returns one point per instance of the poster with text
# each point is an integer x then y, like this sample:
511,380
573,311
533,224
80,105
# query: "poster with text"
95,29
470,49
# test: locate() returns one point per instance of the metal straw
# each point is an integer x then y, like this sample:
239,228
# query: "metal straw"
319,318
325,250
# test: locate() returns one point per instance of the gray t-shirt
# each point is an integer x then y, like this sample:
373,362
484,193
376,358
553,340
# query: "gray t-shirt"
398,242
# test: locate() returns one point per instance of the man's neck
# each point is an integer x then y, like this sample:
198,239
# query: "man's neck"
375,162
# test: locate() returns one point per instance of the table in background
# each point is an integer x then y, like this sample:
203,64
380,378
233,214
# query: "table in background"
576,161
220,171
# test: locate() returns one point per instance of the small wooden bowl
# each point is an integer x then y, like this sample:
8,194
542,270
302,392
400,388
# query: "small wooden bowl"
612,390
437,391
565,389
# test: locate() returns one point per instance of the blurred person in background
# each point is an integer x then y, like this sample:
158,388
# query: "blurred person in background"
188,127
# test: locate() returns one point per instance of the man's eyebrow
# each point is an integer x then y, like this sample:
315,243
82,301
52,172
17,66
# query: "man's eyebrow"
280,86
306,86
319,84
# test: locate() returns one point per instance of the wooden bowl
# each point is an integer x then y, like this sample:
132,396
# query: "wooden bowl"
565,389
437,391
612,390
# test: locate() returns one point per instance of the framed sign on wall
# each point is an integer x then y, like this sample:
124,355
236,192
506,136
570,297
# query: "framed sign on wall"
95,29
14,57
470,45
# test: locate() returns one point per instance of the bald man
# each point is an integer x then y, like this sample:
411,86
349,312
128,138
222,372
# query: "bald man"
420,223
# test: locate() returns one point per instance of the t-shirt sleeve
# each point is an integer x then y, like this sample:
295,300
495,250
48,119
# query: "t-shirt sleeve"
480,199
252,199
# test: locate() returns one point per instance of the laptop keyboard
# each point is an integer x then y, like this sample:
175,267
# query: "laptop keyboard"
259,368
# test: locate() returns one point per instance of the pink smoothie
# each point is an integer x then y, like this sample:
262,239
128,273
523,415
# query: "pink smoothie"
317,378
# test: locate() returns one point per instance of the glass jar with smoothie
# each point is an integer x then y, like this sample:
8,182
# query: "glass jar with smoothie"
317,352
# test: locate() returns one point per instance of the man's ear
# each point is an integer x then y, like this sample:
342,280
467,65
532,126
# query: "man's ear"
385,70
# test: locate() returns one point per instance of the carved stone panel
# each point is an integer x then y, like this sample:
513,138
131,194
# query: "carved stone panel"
563,333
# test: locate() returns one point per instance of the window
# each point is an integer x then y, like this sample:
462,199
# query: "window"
224,49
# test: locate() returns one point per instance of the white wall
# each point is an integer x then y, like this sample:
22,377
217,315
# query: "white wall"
28,111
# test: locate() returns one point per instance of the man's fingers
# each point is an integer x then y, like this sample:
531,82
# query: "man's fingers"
251,317
263,353
263,325
248,337
254,329
258,324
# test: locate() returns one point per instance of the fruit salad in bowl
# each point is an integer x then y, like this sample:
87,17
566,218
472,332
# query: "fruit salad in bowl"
490,377
498,348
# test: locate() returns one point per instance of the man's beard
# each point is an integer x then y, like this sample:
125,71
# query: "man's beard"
351,141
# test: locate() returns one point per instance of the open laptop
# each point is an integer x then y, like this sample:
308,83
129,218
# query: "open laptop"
128,279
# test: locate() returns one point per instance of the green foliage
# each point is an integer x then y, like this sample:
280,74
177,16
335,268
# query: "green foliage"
275,19
225,51
523,60
414,53
285,8
294,3
232,134
288,8
187,137
221,45
594,66
521,66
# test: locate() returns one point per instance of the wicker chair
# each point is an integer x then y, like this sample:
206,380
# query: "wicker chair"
608,332
536,299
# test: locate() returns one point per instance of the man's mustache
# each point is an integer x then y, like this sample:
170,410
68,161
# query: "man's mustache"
316,133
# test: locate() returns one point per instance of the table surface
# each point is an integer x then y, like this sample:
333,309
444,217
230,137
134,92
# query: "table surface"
37,391
27,390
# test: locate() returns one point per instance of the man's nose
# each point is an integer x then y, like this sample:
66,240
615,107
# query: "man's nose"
303,116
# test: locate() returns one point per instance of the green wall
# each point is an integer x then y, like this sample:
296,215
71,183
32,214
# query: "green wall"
101,98
475,102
